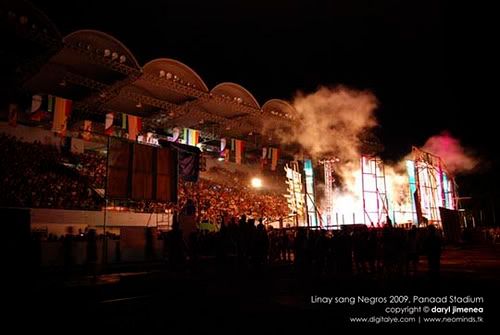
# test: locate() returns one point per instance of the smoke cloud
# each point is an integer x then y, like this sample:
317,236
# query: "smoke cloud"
331,120
456,158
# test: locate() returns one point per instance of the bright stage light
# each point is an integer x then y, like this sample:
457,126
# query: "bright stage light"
256,182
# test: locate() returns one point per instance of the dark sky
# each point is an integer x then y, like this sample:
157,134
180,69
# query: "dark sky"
426,61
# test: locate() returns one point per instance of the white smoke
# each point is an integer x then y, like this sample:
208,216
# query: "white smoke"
330,121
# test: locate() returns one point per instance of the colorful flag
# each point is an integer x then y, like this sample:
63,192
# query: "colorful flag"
62,112
134,127
51,103
191,136
274,159
239,151
108,124
124,121
222,145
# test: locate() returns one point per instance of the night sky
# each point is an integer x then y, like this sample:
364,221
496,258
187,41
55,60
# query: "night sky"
426,61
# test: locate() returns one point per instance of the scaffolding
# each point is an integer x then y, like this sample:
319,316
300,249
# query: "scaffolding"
329,168
374,189
431,187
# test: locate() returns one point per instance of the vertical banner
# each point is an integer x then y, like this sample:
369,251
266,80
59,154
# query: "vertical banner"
124,121
134,127
62,112
222,144
274,158
310,198
108,124
191,136
240,148
264,153
51,103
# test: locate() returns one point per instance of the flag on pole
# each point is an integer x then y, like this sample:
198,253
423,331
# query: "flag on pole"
274,159
62,112
134,127
191,136
108,124
124,121
239,151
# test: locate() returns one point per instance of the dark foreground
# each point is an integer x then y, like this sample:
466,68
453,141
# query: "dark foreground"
276,298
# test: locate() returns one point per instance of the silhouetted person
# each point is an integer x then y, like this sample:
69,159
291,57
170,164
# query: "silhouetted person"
175,246
261,245
433,251
412,251
149,247
92,251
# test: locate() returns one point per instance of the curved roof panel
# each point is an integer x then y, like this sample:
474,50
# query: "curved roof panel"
28,14
173,69
280,108
110,46
236,91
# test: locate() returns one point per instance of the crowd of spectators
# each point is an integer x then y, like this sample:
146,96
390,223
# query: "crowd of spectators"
32,175
42,176
92,165
218,202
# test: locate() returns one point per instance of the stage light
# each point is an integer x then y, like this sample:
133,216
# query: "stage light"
123,59
114,55
162,73
107,53
169,75
256,182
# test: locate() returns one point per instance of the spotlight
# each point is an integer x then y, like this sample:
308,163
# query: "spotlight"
123,59
256,182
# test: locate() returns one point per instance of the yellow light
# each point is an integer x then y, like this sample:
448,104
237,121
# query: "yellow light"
256,182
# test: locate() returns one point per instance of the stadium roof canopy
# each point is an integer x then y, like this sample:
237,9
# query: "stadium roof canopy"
100,74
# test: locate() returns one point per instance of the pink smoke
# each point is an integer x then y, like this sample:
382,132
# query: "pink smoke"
456,158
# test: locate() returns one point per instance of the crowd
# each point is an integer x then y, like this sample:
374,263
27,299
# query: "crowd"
217,202
32,175
388,251
41,176
92,165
